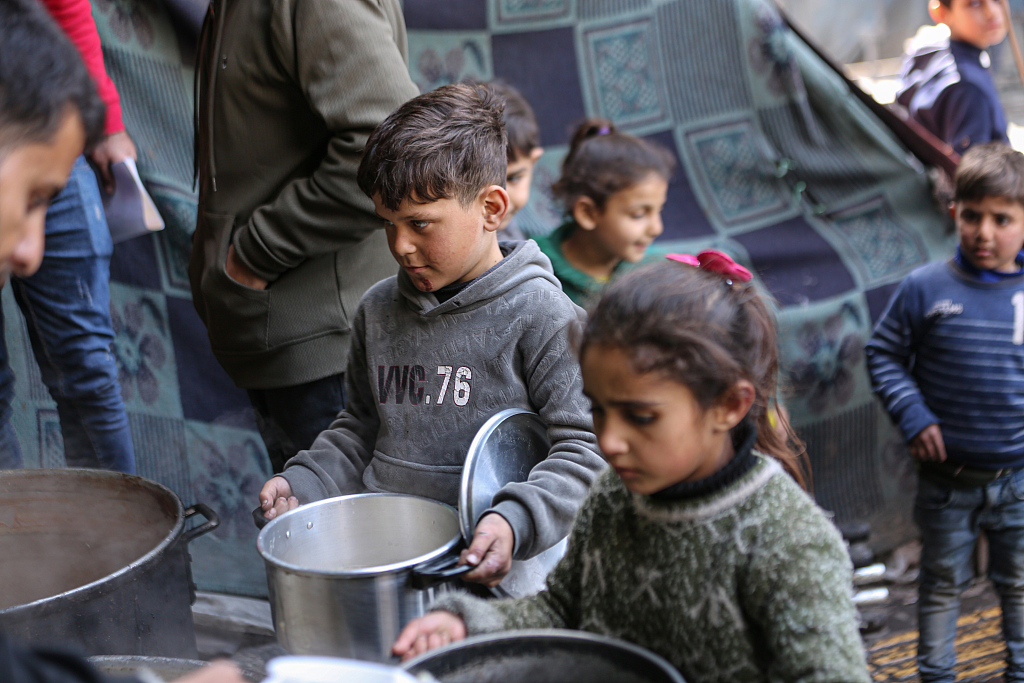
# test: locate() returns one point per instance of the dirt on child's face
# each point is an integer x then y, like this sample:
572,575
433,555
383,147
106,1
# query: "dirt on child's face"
441,242
30,176
991,232
978,22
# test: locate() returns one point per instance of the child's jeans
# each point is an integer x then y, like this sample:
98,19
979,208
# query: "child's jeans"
950,518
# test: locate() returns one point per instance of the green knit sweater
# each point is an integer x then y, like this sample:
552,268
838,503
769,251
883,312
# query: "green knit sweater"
747,583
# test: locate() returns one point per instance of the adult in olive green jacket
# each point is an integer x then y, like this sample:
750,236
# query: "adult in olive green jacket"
285,243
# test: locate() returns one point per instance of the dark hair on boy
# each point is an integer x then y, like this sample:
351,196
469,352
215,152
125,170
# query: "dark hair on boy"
990,170
520,122
602,161
42,78
449,142
697,329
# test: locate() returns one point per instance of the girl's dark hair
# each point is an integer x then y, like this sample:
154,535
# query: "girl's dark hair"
602,161
42,78
694,327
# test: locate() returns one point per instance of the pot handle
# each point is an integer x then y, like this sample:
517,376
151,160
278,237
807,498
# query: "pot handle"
258,518
211,523
440,569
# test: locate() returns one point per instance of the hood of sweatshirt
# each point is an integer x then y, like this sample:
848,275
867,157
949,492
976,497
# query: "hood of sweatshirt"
522,261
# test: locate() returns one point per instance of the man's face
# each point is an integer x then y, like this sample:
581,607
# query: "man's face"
978,22
441,242
517,181
991,232
30,176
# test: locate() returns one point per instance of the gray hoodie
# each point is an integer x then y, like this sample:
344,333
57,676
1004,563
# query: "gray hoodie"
423,377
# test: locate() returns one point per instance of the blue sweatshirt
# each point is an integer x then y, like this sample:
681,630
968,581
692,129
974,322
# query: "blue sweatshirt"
949,350
947,88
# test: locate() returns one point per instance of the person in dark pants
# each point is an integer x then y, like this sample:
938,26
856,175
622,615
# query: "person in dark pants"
49,113
66,303
947,360
285,242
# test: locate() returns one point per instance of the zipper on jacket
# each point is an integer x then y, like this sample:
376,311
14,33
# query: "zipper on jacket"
217,12
197,87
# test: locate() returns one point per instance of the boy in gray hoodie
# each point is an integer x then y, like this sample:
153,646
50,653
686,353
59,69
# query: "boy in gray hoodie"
467,328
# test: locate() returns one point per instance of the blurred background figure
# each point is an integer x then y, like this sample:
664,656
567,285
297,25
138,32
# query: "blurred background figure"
67,303
309,79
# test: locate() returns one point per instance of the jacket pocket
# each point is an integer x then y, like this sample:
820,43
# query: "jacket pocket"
236,316
306,302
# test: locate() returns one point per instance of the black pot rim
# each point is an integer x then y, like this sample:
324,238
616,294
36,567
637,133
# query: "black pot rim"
502,638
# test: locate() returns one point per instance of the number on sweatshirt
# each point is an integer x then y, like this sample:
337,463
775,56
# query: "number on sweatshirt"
396,382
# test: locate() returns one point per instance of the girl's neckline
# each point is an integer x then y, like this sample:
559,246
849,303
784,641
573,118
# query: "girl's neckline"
744,437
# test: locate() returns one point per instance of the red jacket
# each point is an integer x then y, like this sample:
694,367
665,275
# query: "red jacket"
75,18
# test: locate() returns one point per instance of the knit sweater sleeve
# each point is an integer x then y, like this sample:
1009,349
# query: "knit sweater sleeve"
542,508
334,464
558,606
890,353
797,595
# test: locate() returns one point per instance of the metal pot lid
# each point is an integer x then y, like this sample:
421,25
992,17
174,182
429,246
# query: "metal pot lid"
505,449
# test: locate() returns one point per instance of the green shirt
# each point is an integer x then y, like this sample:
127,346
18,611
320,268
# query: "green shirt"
583,289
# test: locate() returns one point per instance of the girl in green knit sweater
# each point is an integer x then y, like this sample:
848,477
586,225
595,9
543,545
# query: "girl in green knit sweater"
698,542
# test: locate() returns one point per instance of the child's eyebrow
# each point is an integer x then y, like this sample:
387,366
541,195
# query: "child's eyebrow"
633,404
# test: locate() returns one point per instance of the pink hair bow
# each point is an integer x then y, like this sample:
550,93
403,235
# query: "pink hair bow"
716,262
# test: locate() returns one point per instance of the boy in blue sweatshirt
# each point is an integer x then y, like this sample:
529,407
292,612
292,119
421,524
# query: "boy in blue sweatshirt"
947,360
467,328
946,82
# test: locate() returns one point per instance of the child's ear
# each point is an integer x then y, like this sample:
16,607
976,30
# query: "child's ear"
585,213
937,11
536,154
734,405
495,206
952,210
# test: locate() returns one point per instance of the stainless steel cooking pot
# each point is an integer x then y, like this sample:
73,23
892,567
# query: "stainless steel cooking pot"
346,574
543,656
97,560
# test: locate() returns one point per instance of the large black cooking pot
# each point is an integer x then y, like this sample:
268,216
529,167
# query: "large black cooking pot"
543,656
97,560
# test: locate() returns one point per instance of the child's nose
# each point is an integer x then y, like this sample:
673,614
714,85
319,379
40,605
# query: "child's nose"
987,228
611,442
28,252
403,245
657,227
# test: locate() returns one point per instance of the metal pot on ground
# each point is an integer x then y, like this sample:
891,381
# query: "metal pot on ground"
543,656
97,560
346,574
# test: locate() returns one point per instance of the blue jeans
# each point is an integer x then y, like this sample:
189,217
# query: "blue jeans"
950,519
290,418
67,309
